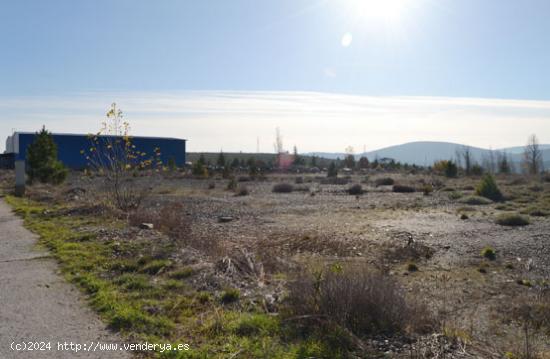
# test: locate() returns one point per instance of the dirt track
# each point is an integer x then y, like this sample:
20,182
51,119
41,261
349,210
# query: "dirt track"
37,305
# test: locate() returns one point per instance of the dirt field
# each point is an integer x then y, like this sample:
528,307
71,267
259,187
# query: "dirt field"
431,243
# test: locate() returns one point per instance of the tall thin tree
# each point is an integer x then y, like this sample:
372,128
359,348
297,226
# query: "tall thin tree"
532,156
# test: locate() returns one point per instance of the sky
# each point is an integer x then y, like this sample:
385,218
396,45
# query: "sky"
329,73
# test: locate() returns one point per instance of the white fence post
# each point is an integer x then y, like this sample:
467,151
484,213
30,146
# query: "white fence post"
19,178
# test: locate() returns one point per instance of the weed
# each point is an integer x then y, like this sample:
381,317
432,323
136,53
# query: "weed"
182,273
257,324
454,195
489,253
512,219
204,297
132,281
475,200
155,266
230,295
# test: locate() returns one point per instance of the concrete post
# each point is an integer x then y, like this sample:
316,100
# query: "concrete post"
19,178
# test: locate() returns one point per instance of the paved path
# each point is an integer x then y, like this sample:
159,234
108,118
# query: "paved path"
37,305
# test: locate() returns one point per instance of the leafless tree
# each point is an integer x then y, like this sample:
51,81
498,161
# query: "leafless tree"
114,157
532,156
464,156
489,162
278,141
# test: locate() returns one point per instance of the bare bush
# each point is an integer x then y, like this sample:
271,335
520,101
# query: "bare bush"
385,181
398,188
283,188
242,191
358,299
355,190
169,219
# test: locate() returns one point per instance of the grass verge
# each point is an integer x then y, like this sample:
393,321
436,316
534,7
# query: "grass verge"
146,299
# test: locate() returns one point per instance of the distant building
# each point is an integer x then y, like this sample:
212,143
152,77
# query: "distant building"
69,147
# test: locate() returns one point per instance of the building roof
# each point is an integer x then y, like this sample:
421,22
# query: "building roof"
86,134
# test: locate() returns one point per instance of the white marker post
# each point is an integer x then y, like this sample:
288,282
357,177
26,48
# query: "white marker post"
19,178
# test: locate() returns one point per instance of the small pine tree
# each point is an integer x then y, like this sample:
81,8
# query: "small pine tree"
298,160
199,168
349,161
252,167
313,161
332,170
451,170
235,163
42,162
504,165
221,160
488,188
476,170
171,164
363,163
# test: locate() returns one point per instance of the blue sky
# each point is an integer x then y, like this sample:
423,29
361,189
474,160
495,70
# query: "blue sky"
63,51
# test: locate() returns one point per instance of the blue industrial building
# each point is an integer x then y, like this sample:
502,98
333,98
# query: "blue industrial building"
69,147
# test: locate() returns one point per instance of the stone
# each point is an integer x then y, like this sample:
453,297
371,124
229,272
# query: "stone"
225,219
146,226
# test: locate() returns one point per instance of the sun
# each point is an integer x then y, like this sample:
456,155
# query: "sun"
385,10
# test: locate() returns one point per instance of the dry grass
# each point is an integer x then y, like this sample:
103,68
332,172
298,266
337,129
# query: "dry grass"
358,299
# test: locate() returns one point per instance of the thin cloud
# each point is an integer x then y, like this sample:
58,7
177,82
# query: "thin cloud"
313,121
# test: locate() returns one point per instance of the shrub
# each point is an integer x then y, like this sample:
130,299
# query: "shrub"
488,253
412,267
488,188
332,170
42,163
403,189
283,188
475,200
538,213
244,179
454,195
385,181
242,191
512,219
230,295
355,190
232,184
447,168
357,299
477,170
427,189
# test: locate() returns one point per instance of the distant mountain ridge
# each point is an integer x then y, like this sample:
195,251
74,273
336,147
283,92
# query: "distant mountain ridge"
425,153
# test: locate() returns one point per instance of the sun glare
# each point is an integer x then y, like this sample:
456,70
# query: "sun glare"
386,10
